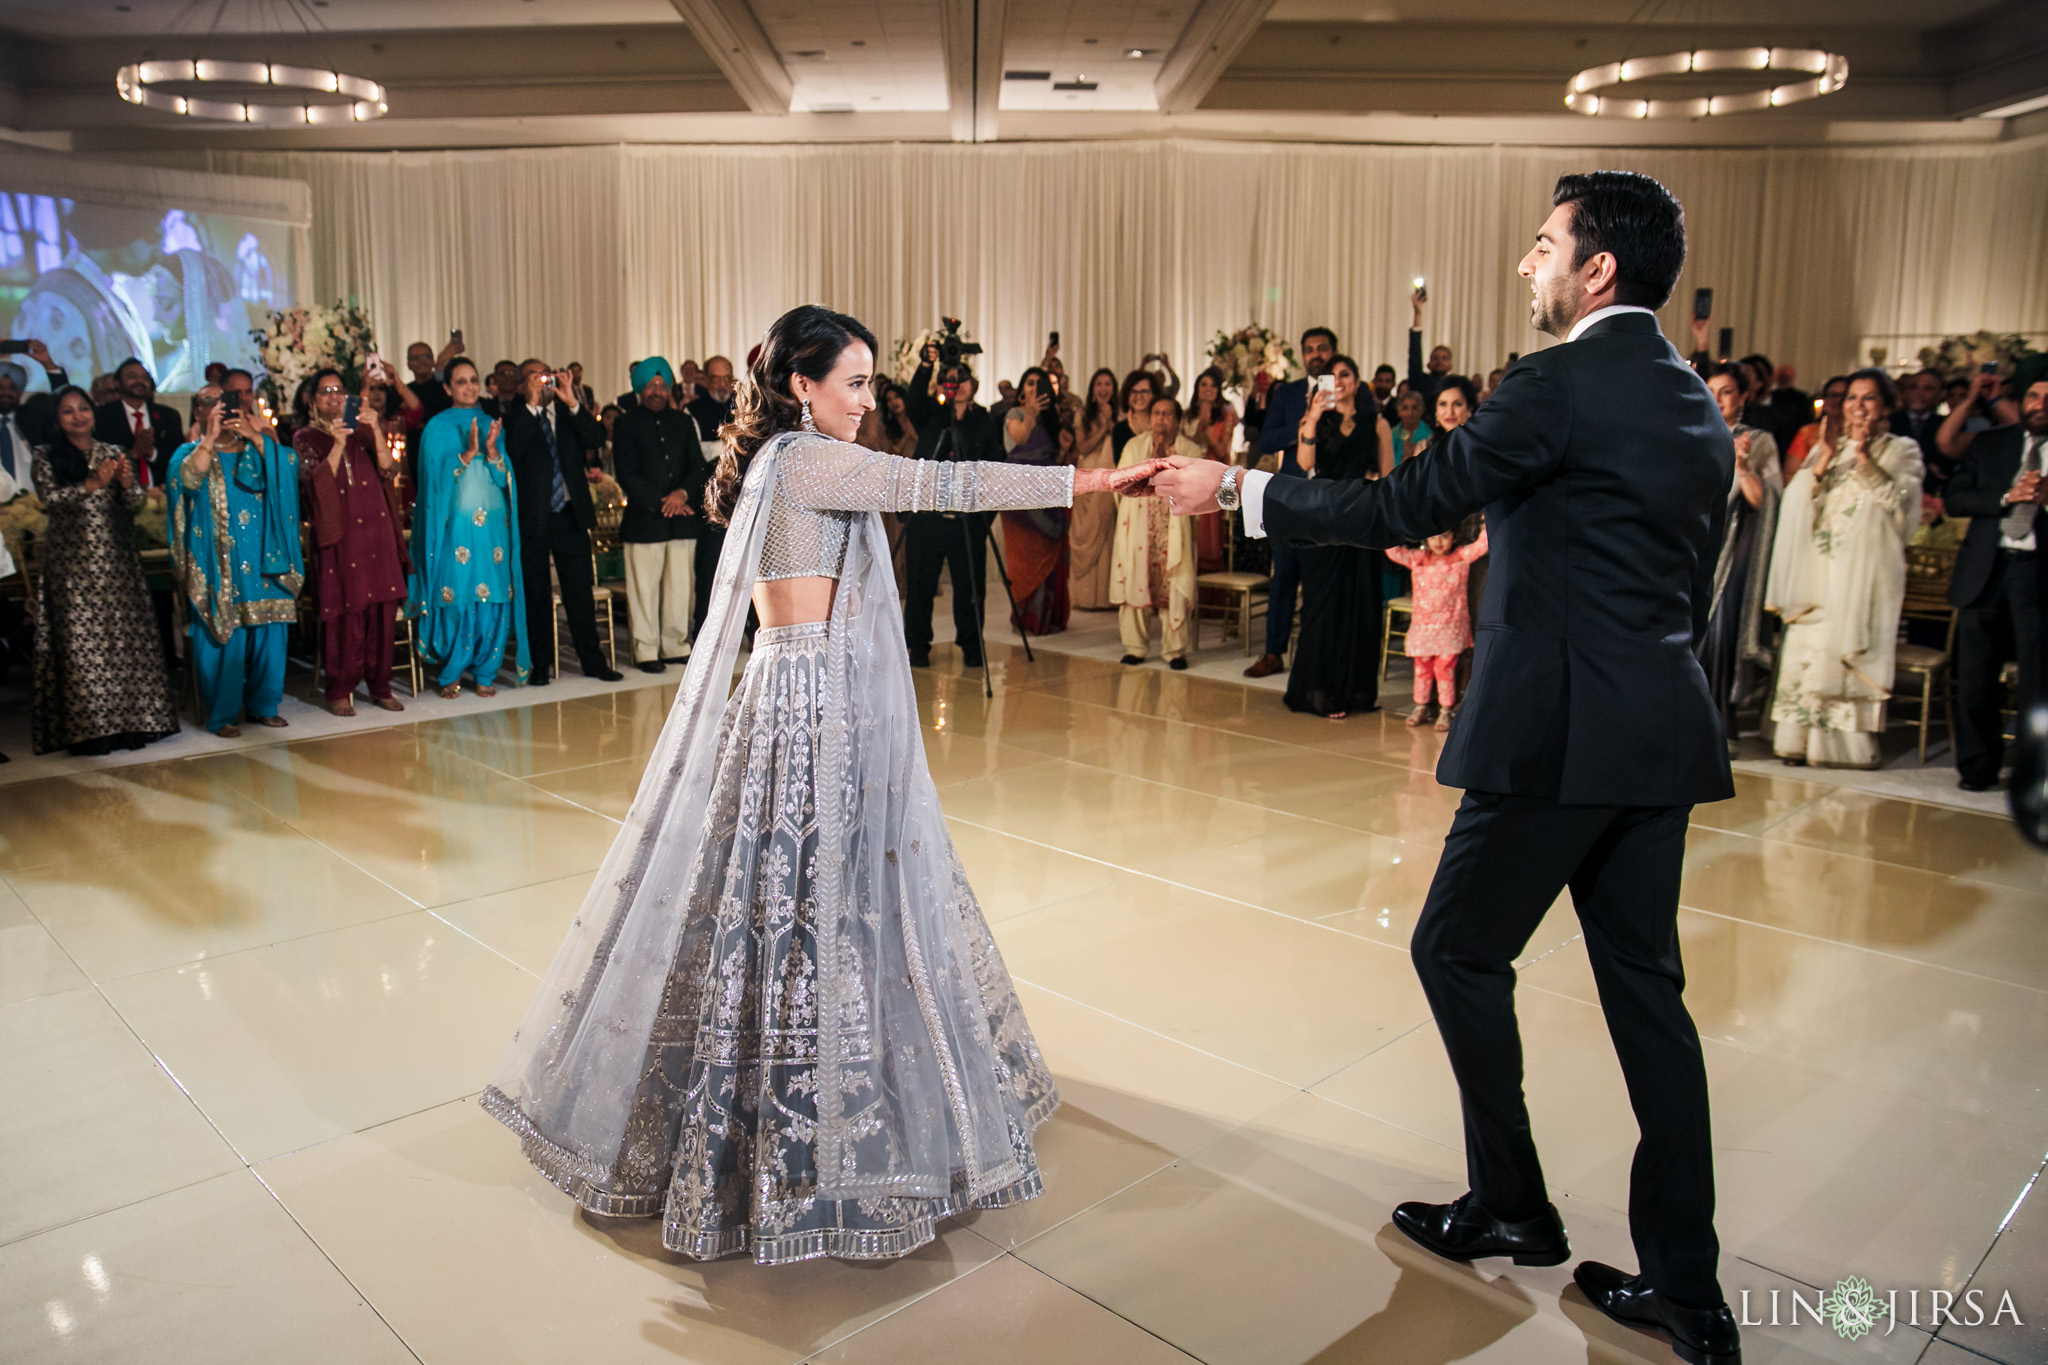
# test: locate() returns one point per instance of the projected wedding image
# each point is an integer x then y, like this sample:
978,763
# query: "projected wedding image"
98,283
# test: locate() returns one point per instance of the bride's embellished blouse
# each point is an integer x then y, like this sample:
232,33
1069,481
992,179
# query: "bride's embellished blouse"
825,483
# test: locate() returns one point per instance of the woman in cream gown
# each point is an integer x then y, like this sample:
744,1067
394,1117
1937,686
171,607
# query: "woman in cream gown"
1838,579
778,1022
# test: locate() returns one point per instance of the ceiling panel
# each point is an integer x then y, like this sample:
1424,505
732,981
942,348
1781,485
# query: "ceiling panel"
110,18
548,70
1915,14
1079,43
859,56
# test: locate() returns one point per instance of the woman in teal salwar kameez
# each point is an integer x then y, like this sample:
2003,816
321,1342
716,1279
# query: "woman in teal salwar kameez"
465,588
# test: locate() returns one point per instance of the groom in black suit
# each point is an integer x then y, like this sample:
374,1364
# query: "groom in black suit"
1585,740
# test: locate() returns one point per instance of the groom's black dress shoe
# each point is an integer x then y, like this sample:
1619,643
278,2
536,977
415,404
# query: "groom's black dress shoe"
1700,1336
1467,1230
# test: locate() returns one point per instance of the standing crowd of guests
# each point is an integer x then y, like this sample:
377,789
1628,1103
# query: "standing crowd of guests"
473,527
484,523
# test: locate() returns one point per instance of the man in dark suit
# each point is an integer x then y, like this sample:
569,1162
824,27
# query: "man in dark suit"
1587,736
712,408
1919,394
662,470
138,424
1284,411
1997,587
961,429
27,420
546,434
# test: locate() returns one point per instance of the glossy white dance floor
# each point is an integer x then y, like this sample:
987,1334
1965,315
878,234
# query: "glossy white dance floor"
247,999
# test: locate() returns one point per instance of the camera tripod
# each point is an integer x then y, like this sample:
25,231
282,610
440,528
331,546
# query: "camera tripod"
988,688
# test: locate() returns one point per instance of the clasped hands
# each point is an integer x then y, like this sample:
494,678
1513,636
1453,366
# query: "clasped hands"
2031,487
1188,485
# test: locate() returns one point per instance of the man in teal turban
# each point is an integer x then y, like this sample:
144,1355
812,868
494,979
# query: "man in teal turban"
659,465
650,367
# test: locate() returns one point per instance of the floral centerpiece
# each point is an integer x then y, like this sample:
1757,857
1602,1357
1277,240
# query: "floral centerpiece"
1248,352
152,524
299,341
1961,357
21,521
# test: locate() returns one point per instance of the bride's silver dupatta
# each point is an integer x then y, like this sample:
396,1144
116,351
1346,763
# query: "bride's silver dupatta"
928,1081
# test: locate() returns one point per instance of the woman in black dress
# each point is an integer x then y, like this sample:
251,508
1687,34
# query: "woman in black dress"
1337,658
99,666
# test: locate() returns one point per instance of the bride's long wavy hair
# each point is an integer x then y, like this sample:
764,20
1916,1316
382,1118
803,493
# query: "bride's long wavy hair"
807,340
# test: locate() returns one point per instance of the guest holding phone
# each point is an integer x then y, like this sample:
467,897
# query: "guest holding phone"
348,481
1277,437
234,530
1336,662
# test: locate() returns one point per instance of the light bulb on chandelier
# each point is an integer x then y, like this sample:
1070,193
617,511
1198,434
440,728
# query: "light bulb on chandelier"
1830,72
365,98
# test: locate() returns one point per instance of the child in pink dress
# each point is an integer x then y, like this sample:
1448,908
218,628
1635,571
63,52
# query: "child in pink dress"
1441,627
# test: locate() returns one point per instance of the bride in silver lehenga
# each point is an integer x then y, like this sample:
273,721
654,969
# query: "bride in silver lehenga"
778,1021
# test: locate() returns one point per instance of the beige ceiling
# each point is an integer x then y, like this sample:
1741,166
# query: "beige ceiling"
515,72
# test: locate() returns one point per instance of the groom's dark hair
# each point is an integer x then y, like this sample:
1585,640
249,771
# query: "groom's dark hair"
1636,219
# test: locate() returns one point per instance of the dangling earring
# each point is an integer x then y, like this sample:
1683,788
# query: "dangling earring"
809,425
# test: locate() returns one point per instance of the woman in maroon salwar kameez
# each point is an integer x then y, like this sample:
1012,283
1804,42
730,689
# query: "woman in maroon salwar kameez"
358,564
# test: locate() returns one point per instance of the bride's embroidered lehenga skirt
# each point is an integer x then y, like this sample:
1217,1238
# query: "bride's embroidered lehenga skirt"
721,1140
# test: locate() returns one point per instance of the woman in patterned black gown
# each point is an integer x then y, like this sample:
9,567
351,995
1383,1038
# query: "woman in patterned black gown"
99,663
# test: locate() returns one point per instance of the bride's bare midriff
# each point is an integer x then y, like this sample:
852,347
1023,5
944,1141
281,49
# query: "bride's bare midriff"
794,601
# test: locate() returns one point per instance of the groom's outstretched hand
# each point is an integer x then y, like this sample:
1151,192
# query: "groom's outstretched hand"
1189,486
1134,482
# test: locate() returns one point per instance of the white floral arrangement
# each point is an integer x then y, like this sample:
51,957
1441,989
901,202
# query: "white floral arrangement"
21,521
1248,352
1961,357
304,340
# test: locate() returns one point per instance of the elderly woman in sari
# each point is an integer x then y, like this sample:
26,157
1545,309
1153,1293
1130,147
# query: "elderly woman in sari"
1152,570
235,559
465,584
99,668
350,485
1736,645
1838,579
1035,539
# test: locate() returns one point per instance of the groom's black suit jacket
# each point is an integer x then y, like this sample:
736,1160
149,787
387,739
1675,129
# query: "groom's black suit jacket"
1603,467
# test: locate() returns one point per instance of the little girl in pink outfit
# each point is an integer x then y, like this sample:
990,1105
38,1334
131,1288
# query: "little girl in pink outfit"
1440,628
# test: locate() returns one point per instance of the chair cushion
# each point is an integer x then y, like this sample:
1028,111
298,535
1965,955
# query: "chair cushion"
1236,582
1917,660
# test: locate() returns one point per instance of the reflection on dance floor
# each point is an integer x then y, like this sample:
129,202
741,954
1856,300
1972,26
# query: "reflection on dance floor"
246,1002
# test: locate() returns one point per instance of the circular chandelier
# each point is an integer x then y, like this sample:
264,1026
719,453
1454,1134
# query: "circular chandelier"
364,102
1829,71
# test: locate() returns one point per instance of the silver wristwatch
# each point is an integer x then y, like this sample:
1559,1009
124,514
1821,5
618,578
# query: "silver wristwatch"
1227,495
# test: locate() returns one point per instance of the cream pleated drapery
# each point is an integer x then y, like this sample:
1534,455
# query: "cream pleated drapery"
606,254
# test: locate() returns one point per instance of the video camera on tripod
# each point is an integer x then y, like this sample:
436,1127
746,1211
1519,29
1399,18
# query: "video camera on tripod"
952,350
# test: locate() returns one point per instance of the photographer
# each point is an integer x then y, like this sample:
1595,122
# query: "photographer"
956,428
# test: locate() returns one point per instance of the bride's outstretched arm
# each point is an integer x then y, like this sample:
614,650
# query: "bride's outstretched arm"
824,473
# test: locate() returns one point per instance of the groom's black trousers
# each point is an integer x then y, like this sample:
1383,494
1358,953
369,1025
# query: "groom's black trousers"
1504,862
